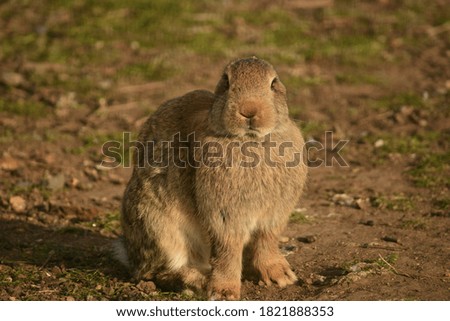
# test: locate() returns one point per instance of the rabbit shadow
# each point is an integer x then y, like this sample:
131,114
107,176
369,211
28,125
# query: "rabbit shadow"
71,247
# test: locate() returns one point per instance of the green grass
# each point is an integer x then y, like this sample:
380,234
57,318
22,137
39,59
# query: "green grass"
313,129
371,264
398,100
398,203
442,203
28,108
299,218
93,144
108,223
148,71
431,170
357,78
414,224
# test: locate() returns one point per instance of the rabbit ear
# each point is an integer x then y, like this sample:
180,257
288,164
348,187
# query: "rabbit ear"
223,85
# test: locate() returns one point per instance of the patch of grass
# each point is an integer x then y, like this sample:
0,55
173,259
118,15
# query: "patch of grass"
356,78
419,144
117,145
395,102
212,44
403,145
398,203
18,276
148,71
313,129
299,218
30,109
370,265
109,223
296,82
25,188
6,135
442,203
85,284
390,258
432,170
415,224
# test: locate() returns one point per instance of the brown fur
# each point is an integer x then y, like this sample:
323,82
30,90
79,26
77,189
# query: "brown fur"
187,226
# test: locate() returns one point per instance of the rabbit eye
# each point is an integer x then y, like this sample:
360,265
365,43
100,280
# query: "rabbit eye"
274,82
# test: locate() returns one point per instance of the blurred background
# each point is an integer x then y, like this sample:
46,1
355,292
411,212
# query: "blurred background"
77,73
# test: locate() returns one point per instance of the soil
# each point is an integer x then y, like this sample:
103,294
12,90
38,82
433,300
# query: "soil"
370,230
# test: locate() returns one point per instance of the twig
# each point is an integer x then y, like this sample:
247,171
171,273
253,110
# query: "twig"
50,254
393,268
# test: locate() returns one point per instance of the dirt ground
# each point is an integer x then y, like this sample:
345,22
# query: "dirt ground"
375,73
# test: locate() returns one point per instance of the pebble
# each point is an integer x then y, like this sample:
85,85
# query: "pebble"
9,164
74,182
91,173
18,204
283,239
368,223
379,143
12,79
288,249
307,239
146,286
362,204
317,279
115,179
343,199
55,182
390,239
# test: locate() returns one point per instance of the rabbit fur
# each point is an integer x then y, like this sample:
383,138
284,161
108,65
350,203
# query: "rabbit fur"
206,189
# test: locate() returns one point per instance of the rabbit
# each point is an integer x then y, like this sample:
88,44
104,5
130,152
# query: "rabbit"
215,175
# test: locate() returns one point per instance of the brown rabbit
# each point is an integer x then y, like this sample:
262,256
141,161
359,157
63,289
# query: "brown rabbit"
214,174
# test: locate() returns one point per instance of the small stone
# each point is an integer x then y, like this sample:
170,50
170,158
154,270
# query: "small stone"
379,143
390,239
18,204
288,249
115,179
283,239
368,223
9,164
307,239
91,173
146,286
74,182
343,199
49,159
98,287
55,182
12,79
406,110
70,298
362,204
317,279
66,101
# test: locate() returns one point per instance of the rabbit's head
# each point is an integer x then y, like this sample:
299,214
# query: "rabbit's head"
250,100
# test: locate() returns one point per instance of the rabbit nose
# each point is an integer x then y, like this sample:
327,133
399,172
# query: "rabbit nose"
247,114
248,110
249,118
